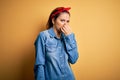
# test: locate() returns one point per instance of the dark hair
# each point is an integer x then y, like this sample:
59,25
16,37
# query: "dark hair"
49,23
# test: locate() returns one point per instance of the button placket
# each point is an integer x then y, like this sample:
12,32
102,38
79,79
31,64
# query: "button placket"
61,57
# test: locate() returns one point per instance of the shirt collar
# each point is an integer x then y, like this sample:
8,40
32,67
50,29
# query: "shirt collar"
52,33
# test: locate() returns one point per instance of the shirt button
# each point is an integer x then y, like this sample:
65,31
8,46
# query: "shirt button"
61,65
59,47
60,56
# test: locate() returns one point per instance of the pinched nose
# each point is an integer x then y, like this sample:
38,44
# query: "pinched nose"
65,23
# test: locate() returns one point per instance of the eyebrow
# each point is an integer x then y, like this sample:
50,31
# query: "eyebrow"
64,19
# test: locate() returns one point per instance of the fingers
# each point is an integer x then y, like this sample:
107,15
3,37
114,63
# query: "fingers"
66,29
63,30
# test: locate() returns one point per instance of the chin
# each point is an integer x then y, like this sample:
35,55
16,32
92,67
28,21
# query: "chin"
59,30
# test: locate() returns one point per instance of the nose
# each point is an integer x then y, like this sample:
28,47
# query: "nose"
65,23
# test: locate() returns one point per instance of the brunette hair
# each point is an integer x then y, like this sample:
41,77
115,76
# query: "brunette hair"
54,14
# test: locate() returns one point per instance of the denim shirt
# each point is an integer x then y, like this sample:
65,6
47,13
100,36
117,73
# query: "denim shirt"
54,55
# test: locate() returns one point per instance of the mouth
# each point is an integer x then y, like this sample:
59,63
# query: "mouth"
59,30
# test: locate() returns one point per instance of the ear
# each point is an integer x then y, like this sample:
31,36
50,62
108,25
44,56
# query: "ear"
53,20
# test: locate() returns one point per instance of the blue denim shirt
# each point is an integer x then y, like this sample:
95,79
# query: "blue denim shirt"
53,56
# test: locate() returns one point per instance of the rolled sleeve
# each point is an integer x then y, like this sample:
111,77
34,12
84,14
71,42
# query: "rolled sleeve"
39,58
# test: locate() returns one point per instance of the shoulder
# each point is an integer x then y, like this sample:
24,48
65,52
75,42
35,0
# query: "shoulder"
43,34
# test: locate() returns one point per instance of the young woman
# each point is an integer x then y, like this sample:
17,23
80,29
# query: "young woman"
56,48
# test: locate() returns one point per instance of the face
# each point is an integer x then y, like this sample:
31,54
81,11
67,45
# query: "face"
62,19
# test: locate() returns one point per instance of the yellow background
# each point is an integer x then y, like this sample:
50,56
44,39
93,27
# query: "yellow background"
96,24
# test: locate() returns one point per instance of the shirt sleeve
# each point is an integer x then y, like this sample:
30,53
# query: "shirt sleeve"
39,58
39,72
71,47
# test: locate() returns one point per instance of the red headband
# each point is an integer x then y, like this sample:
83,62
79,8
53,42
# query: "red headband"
60,10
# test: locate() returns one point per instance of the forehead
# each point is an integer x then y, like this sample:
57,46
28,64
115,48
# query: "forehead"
64,16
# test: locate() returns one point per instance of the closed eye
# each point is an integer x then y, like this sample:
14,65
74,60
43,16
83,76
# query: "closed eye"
62,20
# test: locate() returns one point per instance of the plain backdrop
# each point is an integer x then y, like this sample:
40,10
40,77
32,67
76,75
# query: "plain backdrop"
96,24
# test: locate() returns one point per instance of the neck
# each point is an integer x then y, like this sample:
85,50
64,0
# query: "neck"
57,32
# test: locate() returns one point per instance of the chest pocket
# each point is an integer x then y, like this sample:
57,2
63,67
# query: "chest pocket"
51,46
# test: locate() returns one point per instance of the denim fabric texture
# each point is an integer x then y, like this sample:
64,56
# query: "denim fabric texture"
53,56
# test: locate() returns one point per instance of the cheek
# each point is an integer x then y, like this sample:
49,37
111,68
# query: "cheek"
60,24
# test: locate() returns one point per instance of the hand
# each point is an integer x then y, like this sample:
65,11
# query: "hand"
66,29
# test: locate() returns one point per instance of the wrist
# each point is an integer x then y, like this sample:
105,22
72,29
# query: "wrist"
68,33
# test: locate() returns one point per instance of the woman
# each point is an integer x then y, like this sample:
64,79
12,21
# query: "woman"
56,48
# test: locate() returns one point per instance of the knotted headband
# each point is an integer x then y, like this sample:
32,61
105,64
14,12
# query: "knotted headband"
59,10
